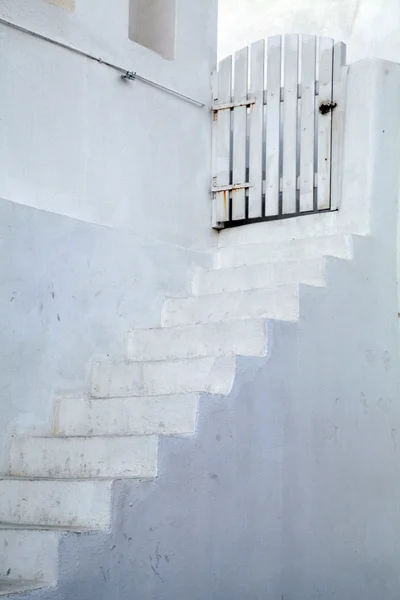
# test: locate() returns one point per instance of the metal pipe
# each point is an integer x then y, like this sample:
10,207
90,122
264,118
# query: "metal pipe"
125,74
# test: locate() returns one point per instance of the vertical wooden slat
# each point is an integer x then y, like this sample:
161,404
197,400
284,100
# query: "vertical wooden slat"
324,122
338,98
239,133
289,182
272,157
256,93
214,80
224,139
307,122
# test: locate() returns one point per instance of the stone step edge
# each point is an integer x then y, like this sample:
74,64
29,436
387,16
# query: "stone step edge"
56,529
215,269
295,286
19,586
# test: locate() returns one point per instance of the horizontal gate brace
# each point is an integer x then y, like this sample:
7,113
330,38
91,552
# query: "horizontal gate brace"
235,186
228,105
225,105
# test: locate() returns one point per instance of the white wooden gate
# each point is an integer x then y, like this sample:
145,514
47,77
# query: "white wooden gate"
277,122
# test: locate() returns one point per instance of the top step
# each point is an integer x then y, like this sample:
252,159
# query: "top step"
283,230
339,246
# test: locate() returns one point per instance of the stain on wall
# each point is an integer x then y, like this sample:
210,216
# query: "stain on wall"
67,4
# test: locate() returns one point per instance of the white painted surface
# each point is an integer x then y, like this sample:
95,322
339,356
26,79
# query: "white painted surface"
307,122
289,141
241,62
369,27
256,122
72,291
161,415
101,159
56,503
18,586
273,120
208,339
324,123
280,302
260,276
280,231
153,24
214,375
221,168
66,151
30,555
84,457
339,92
293,249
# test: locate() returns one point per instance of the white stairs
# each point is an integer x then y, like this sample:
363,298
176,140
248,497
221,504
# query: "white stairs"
63,482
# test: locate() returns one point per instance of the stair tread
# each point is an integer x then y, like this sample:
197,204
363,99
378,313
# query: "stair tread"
115,379
5,526
264,265
17,586
124,417
289,287
281,231
109,457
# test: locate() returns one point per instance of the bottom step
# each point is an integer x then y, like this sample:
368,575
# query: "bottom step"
16,586
28,555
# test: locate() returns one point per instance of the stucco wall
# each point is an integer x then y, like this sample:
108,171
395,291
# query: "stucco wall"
291,487
79,141
370,27
104,192
70,291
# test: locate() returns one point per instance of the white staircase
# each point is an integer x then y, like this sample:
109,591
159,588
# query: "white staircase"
64,482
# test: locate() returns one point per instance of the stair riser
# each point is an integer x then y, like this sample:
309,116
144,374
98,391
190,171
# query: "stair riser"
213,375
55,503
175,415
242,338
275,303
258,277
282,231
29,555
112,457
298,250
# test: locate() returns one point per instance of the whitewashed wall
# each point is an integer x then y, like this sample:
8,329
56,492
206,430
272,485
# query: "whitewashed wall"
104,192
370,27
78,141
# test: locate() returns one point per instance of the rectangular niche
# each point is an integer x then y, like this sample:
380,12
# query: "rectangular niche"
152,23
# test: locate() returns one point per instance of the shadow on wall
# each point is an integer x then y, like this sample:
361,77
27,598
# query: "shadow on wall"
278,494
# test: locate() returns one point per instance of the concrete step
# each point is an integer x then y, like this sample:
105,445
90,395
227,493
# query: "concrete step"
254,277
19,586
56,503
163,415
81,457
279,302
247,338
283,230
297,249
28,555
157,378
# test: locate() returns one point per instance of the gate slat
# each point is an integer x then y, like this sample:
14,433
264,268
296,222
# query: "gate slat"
272,154
256,92
324,123
338,97
239,134
214,147
289,186
224,140
307,122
